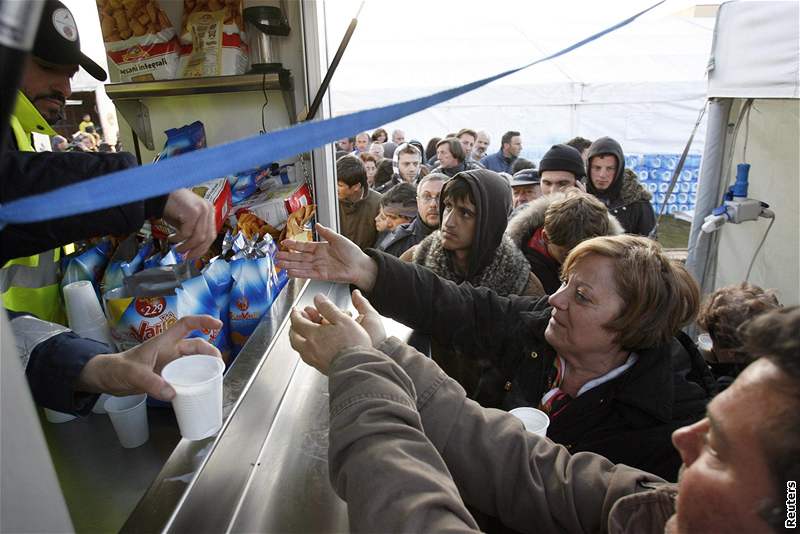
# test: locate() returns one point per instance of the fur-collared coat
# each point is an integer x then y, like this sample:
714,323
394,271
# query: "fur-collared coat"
521,228
508,274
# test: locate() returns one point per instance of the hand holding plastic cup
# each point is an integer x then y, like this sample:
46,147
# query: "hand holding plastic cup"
129,417
197,381
535,421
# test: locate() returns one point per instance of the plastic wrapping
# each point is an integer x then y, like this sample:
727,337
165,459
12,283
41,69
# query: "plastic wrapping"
140,42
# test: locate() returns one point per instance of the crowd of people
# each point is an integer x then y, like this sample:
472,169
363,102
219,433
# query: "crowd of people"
539,286
86,139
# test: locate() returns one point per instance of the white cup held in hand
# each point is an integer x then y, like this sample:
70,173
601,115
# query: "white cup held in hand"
197,381
535,421
129,417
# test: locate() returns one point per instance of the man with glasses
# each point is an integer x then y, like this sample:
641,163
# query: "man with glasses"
407,235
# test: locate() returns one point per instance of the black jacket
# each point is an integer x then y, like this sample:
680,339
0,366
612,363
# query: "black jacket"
625,198
628,419
28,173
404,237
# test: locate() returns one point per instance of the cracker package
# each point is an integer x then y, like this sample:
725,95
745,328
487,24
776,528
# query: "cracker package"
140,41
212,39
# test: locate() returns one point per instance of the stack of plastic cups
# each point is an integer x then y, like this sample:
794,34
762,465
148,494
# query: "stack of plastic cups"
197,381
86,319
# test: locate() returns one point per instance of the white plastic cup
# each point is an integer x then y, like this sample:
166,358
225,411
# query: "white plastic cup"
100,406
534,420
129,417
197,380
83,309
53,416
101,333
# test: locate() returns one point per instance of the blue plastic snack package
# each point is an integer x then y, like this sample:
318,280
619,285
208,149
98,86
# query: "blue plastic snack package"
184,139
194,298
218,278
250,298
87,265
172,257
127,260
246,183
152,261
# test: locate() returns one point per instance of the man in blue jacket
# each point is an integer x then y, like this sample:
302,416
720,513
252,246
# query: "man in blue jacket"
503,159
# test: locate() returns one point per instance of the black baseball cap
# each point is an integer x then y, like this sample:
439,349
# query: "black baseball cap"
525,177
57,40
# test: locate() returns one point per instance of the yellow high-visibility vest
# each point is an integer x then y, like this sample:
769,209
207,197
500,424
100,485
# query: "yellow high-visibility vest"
32,284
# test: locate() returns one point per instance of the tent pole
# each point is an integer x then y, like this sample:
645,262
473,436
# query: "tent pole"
701,261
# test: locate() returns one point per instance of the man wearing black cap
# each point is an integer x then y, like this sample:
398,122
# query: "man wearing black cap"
561,167
30,284
66,372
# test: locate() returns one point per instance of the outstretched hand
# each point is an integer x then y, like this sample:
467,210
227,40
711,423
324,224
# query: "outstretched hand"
337,259
318,334
137,370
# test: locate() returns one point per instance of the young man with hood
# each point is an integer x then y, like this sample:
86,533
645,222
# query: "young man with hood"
470,247
405,236
358,204
546,229
618,188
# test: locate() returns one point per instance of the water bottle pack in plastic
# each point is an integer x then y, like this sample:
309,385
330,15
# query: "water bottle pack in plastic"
655,172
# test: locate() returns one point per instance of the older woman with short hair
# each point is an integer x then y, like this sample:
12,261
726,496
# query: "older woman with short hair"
603,356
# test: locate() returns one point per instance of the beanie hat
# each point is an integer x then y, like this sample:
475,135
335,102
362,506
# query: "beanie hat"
563,158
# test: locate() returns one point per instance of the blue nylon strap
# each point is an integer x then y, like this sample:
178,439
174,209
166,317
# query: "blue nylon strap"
192,168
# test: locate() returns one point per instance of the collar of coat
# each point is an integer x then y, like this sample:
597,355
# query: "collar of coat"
29,117
507,274
630,192
531,217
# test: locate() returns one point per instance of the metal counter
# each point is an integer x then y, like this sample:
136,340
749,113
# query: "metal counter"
266,471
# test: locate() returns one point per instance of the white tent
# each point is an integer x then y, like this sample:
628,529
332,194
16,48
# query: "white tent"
755,56
643,84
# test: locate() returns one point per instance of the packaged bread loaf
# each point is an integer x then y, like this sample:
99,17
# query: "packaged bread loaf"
212,39
140,41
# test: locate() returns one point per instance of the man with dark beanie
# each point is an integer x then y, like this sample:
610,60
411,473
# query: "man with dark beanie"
561,167
618,188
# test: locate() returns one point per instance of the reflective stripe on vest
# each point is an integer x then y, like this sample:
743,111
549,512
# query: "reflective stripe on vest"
32,285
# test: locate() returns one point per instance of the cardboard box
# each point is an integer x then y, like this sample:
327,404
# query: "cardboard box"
274,205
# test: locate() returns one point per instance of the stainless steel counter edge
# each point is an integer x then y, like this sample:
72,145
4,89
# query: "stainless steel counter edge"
163,500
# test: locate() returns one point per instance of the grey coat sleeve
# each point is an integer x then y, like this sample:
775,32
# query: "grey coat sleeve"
528,482
380,460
